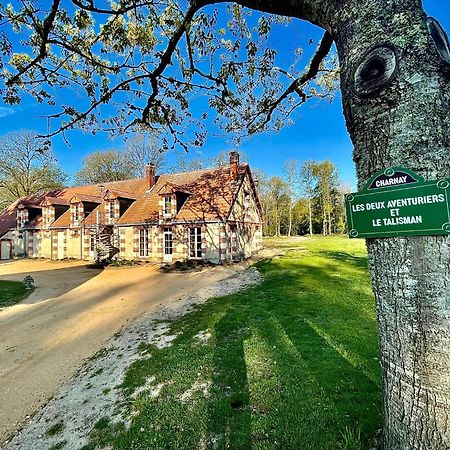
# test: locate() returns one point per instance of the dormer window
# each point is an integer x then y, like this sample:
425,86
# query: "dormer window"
167,205
76,214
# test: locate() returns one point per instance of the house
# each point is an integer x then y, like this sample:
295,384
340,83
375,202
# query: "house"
211,214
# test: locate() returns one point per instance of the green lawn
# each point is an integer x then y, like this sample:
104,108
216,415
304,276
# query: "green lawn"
292,363
12,292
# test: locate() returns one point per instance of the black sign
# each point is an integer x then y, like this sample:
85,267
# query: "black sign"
392,177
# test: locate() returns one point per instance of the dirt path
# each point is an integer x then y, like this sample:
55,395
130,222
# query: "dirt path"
94,392
70,316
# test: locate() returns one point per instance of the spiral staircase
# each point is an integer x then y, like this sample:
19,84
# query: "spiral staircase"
105,249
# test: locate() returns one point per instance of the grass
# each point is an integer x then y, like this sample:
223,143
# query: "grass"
55,429
58,446
291,364
12,292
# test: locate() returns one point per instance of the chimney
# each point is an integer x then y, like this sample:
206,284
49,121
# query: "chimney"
234,165
150,175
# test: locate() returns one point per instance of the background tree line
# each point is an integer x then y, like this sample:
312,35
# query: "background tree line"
307,199
27,166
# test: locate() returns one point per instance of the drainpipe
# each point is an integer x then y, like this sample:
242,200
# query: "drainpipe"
82,225
81,241
25,243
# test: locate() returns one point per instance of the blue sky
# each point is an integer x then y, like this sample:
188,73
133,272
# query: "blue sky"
318,133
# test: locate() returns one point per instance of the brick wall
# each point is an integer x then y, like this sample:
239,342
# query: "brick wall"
136,241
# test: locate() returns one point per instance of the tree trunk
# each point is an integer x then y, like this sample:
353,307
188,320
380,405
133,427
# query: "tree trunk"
290,220
277,222
310,217
405,124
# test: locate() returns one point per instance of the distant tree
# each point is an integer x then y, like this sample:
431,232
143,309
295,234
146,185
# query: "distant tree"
105,166
183,164
326,179
221,159
300,213
291,170
27,166
339,206
141,150
278,198
308,197
262,188
307,181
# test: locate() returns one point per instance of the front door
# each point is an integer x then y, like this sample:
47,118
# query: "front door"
168,244
36,239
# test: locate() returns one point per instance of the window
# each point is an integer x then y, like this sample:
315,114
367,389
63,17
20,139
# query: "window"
76,212
111,211
195,242
143,242
167,205
167,241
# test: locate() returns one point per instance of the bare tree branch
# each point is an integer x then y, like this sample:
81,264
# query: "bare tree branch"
296,86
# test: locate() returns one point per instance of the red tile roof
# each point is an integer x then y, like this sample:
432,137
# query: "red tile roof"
8,219
170,188
91,219
210,196
136,185
77,198
213,193
54,201
63,195
62,221
113,193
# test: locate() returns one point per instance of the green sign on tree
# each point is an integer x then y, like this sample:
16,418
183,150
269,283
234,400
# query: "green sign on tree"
398,202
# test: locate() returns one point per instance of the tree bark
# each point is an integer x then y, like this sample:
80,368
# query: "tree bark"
324,222
290,219
405,123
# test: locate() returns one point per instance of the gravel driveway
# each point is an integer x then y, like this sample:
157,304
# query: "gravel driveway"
69,317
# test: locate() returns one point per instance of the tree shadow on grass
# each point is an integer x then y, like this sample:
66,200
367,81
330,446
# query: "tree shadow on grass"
229,416
345,258
292,365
